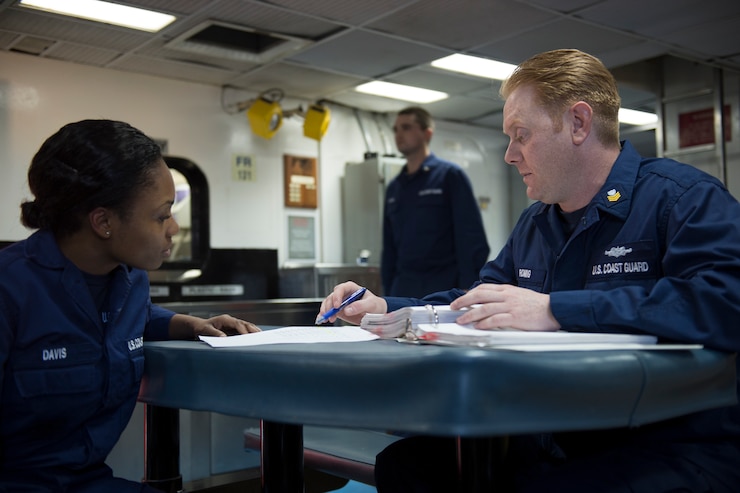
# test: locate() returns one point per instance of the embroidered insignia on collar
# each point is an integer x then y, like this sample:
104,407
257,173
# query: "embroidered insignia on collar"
613,195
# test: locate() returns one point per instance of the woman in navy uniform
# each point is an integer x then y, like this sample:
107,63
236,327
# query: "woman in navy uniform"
75,306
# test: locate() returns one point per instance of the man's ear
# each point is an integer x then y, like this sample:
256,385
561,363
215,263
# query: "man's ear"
100,222
581,115
428,132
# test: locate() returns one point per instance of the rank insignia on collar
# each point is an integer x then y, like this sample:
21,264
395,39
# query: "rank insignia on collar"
613,195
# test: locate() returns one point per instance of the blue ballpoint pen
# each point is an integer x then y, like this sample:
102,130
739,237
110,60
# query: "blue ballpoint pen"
351,298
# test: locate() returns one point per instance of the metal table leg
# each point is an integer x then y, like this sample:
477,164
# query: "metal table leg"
162,448
479,463
281,457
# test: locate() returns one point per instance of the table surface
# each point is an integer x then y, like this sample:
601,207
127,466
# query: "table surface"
448,391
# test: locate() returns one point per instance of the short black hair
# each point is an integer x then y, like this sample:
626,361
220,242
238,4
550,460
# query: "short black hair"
84,165
423,117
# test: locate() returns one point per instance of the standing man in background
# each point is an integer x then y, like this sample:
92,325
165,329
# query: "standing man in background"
433,236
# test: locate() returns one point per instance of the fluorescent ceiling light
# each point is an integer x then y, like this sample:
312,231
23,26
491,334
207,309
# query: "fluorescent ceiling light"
399,91
473,65
634,117
110,13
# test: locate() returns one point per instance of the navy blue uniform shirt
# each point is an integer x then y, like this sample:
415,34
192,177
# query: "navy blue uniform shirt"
433,235
69,374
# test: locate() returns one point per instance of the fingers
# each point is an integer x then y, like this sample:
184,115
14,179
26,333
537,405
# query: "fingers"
480,318
369,303
485,316
504,306
353,312
483,293
223,325
248,327
339,294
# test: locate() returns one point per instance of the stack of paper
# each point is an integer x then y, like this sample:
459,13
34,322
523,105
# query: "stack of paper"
399,322
451,333
435,324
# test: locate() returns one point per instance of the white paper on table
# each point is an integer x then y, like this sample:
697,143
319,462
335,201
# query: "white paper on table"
596,347
293,335
521,340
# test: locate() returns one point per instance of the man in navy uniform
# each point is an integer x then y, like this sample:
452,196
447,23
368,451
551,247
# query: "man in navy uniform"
615,243
433,235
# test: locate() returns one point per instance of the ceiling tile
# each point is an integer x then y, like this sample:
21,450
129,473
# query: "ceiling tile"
461,25
367,102
720,38
366,54
296,81
559,34
88,55
656,19
66,29
7,39
440,80
173,69
632,54
563,6
352,13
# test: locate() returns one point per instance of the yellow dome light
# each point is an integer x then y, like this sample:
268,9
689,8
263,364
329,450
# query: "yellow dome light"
316,122
265,117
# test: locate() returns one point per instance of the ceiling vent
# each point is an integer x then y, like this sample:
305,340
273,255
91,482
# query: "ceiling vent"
32,45
233,42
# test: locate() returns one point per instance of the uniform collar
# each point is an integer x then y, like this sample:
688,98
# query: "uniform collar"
616,194
42,248
429,162
614,198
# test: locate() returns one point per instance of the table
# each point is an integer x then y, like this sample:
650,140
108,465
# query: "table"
447,391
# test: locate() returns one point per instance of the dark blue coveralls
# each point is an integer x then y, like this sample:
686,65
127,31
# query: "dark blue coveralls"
69,374
433,235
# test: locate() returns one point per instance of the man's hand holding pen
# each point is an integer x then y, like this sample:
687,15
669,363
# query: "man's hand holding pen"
352,312
491,306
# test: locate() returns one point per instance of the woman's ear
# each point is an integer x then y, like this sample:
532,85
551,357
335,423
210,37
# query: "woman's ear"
100,222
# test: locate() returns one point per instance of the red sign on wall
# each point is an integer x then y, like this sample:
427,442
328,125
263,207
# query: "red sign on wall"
697,127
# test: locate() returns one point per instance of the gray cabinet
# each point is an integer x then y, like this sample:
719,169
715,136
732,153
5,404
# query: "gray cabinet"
363,193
